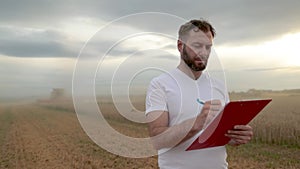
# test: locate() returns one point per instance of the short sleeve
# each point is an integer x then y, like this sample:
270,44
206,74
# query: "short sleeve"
156,97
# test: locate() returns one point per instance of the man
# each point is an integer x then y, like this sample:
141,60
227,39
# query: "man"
175,119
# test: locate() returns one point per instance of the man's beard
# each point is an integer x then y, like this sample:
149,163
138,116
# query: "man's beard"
190,62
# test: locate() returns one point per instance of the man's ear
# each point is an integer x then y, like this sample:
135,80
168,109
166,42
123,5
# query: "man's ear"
180,45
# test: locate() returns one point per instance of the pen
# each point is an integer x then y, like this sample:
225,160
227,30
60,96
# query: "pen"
200,101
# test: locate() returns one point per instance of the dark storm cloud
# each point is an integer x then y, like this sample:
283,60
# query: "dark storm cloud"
254,21
237,22
34,43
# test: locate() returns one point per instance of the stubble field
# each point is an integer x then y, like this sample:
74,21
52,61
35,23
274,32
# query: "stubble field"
48,135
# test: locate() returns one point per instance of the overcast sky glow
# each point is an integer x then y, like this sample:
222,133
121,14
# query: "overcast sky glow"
257,41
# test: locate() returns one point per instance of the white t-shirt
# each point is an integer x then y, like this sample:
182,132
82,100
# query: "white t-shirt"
177,93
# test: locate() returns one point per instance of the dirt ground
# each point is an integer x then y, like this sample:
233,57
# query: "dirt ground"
38,136
41,138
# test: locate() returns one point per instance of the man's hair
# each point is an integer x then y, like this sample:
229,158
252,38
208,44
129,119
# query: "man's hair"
198,24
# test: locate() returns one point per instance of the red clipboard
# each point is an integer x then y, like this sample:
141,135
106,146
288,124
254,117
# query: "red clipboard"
234,113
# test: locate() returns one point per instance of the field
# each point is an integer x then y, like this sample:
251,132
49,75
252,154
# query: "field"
48,135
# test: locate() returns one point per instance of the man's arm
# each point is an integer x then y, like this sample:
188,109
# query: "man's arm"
165,136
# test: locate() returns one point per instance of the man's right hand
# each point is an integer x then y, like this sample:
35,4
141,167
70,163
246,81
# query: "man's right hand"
209,111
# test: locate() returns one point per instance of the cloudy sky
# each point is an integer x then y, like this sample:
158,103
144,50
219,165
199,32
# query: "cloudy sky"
42,41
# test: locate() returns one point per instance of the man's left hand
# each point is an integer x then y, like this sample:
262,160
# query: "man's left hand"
241,134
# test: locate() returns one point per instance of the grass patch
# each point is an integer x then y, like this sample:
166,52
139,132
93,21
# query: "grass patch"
260,155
